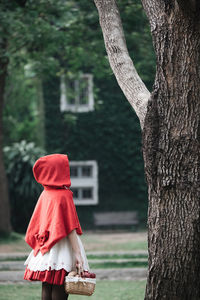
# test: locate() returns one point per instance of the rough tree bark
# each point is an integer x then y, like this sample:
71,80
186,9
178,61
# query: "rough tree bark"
171,147
5,225
120,61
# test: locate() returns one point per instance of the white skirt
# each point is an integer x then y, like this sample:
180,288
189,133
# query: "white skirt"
60,256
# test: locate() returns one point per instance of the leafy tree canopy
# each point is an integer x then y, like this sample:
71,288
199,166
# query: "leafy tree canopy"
42,38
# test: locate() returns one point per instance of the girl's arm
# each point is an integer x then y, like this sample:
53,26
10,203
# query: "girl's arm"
75,246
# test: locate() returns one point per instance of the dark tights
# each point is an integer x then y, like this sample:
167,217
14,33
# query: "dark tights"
53,292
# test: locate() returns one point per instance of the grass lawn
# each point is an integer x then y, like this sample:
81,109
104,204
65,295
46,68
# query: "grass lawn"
126,241
105,290
13,243
120,265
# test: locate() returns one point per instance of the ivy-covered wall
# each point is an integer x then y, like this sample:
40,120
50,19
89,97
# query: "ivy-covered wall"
110,135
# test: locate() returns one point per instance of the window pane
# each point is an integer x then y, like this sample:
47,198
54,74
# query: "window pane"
75,193
71,94
83,91
87,171
74,171
87,193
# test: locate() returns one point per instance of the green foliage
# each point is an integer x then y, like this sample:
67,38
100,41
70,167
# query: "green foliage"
52,34
20,115
45,39
111,134
24,191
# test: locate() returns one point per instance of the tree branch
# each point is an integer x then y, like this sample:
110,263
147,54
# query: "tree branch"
120,61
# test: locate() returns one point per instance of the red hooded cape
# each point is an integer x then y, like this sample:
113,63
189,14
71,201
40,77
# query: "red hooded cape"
54,216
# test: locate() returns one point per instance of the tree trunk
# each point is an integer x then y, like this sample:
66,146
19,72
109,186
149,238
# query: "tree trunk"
41,113
122,65
171,150
5,225
171,144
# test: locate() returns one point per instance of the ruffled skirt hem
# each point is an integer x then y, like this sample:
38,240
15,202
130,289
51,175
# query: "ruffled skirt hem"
50,276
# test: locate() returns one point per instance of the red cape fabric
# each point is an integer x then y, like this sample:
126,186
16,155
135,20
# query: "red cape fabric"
55,215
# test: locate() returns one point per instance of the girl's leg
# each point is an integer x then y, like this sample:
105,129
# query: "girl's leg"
46,291
58,292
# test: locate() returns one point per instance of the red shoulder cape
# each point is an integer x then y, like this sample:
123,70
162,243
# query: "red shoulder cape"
55,215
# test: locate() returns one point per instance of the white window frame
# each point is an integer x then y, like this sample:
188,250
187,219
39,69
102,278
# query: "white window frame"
77,107
86,182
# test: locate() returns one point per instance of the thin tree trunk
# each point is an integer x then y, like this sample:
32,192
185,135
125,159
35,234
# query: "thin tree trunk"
5,225
41,112
171,149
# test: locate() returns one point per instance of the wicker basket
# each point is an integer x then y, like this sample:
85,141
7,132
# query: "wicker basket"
80,286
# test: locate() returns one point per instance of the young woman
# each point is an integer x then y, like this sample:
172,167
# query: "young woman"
54,229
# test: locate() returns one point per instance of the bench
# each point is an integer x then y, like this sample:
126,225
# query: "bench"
116,218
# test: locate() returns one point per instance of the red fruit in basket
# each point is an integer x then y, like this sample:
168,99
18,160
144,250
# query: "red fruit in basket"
92,275
86,274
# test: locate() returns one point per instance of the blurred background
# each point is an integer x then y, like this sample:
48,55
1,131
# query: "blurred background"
60,96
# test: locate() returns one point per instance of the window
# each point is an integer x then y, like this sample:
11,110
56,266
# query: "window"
75,193
87,171
87,193
81,171
74,171
83,194
77,95
84,179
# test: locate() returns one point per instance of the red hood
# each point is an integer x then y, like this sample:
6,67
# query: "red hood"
52,170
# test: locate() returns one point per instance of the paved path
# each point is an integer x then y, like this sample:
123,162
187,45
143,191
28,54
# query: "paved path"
12,267
19,265
23,255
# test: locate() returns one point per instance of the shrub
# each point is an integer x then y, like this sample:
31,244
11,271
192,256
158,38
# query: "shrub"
23,189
